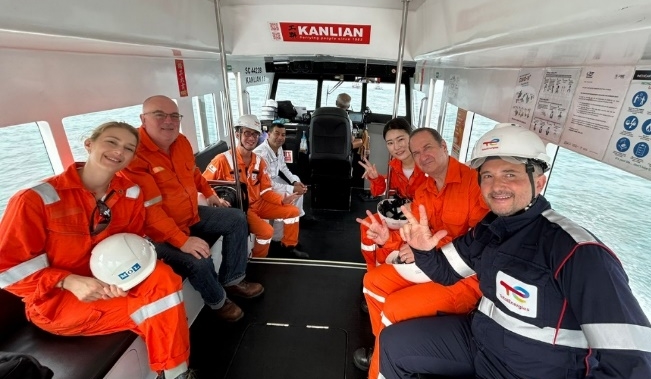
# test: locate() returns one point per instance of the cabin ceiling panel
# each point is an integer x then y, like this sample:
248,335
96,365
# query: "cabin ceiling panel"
387,4
186,25
480,33
84,83
249,27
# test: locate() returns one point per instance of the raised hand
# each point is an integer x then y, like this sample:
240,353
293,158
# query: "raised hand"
377,231
417,233
371,170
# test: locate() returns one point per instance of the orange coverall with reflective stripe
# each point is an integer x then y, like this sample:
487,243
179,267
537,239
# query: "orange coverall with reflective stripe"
46,237
171,184
264,203
406,189
456,208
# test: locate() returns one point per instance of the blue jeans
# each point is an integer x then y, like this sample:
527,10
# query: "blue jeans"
213,223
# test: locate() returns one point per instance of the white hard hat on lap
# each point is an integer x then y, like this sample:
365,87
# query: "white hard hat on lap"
123,259
408,271
249,121
389,210
511,143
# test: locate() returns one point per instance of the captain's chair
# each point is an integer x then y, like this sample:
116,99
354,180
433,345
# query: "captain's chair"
330,158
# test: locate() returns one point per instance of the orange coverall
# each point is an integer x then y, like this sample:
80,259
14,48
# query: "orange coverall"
46,237
171,184
406,189
264,203
457,207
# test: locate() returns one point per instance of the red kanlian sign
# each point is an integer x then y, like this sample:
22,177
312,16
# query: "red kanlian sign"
328,33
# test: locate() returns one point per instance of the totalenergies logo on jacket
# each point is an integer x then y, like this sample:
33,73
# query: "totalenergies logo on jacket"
490,145
519,297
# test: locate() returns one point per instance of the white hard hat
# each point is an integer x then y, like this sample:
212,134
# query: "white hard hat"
511,143
389,210
123,259
249,121
408,271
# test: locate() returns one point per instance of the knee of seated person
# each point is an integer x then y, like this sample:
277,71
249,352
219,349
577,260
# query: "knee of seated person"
163,274
265,232
392,308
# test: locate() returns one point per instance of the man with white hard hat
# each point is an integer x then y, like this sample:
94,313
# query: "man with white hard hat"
556,301
264,203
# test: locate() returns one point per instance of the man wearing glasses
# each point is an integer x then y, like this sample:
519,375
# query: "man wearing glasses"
182,230
264,203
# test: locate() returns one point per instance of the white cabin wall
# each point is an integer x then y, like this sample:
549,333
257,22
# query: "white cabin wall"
249,26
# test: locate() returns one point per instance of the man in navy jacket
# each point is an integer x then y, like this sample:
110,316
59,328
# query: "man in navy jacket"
556,301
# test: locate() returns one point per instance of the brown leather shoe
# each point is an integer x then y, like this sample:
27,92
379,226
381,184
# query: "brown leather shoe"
229,312
245,289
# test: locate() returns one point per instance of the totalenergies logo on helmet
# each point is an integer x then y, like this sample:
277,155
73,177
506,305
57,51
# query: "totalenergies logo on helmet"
490,145
125,274
518,293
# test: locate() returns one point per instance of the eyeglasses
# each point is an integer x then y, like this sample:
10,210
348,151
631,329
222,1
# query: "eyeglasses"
162,116
101,213
249,134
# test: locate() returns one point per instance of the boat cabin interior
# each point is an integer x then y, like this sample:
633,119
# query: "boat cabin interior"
456,66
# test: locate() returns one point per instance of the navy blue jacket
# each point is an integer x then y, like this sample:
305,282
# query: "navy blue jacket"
556,300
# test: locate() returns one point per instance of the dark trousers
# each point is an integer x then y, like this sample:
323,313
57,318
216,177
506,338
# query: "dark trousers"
214,223
441,345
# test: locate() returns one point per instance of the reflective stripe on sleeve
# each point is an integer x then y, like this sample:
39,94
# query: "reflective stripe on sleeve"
265,190
23,270
158,306
153,201
291,220
368,247
618,336
456,262
552,336
47,192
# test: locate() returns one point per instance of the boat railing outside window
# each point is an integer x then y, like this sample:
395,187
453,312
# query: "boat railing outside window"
417,96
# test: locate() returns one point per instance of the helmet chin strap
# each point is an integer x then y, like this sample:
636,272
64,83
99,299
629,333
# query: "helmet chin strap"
529,168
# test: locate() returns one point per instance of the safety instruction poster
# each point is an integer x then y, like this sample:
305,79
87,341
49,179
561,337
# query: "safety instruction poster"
628,148
553,104
525,96
595,108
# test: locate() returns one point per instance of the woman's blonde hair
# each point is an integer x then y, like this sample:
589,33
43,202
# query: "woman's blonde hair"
114,124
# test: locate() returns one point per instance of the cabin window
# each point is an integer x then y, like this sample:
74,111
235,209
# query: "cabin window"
22,167
329,94
203,107
418,96
79,127
258,95
609,207
449,122
302,93
379,98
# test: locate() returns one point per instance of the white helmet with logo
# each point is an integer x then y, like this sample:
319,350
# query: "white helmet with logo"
389,210
123,259
510,142
249,121
408,271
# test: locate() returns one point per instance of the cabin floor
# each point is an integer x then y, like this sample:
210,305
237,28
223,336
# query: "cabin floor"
308,322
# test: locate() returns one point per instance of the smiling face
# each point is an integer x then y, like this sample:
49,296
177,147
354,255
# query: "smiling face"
158,120
276,137
397,141
430,155
248,138
112,149
506,186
